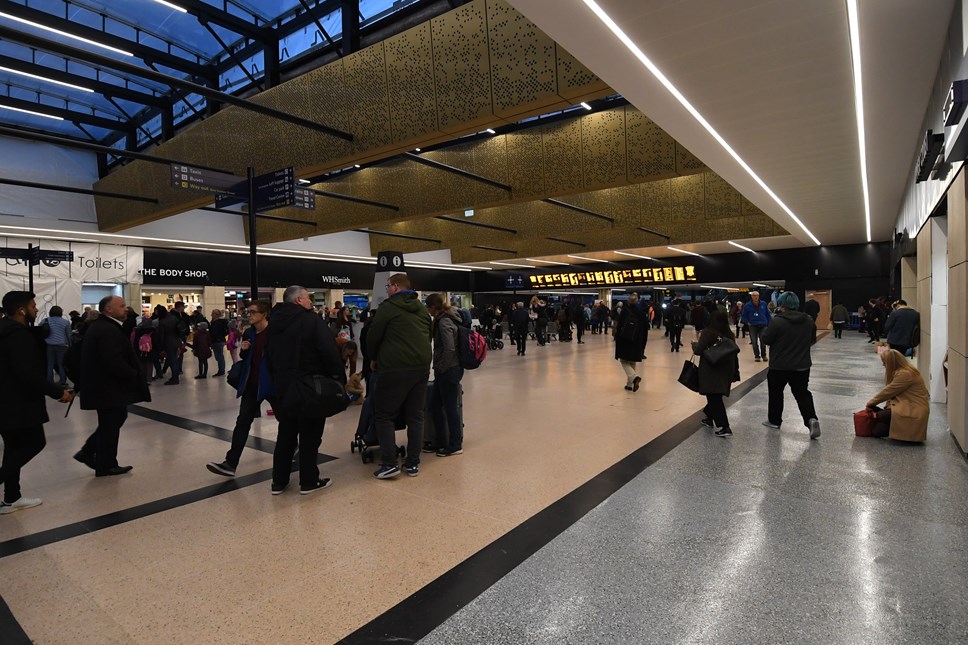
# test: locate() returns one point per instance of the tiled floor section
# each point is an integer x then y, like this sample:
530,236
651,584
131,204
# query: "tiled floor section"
766,537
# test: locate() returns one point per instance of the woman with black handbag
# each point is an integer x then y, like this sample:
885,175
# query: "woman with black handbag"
631,334
718,370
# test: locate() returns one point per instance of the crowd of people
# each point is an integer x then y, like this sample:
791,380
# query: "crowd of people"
274,350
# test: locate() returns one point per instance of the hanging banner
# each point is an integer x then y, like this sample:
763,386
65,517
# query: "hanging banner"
92,262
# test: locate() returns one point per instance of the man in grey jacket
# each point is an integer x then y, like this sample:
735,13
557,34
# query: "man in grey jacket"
790,335
902,326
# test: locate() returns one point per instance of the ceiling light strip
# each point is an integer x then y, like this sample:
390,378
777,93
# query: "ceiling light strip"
740,246
672,248
632,47
49,116
564,264
854,25
633,255
580,257
172,6
44,79
511,264
37,25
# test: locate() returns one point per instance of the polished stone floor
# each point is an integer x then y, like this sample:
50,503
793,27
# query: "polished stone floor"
579,512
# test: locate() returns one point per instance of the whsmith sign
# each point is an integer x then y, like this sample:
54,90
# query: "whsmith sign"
659,275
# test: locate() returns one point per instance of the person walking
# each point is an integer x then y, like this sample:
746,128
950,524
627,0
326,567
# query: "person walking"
145,344
716,379
445,396
299,344
22,391
540,309
57,337
219,330
519,325
875,320
253,388
398,345
111,380
839,317
675,323
790,335
631,330
174,331
756,314
903,328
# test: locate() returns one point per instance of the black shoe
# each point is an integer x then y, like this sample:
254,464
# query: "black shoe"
224,468
319,485
85,458
218,374
708,423
279,489
113,470
171,381
628,387
724,432
635,383
201,376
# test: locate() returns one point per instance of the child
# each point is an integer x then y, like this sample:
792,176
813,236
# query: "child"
202,348
232,341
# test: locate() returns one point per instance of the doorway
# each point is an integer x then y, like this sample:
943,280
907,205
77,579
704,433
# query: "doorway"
823,299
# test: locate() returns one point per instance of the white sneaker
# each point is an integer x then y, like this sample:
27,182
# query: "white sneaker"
814,428
20,504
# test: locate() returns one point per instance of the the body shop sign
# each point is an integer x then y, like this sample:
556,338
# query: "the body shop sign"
621,277
162,272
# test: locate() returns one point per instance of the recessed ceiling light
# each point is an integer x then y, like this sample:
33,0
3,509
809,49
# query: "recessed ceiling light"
633,255
632,47
757,284
490,131
586,105
304,182
417,149
672,248
740,246
854,25
49,116
356,165
37,25
579,257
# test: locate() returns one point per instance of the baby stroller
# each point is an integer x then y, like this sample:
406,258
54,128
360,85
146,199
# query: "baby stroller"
365,440
493,335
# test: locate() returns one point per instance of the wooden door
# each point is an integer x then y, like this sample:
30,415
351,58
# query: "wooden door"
824,299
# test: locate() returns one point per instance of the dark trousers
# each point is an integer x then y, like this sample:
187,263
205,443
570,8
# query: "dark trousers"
445,407
838,330
675,336
521,331
202,366
293,431
580,329
20,445
248,410
103,442
874,330
55,363
219,350
541,331
406,391
756,335
776,381
716,410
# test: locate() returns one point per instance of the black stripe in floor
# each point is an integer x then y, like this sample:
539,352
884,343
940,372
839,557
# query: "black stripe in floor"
11,633
421,613
256,443
50,536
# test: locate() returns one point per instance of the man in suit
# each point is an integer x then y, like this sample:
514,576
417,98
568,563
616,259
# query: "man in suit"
111,379
22,389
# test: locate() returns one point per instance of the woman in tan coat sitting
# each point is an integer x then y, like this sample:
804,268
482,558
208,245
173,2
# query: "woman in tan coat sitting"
906,396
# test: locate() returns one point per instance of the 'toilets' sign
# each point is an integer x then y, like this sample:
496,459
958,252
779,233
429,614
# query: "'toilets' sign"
657,275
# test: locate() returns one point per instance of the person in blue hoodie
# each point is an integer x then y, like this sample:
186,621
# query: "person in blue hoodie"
757,315
57,336
253,388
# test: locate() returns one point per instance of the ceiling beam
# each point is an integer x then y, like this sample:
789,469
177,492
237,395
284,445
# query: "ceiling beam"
30,40
78,191
141,51
107,89
207,13
67,115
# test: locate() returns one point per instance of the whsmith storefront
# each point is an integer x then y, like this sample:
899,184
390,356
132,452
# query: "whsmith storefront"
220,280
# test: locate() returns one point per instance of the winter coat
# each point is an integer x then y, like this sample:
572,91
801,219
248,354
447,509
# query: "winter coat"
264,390
790,335
839,314
718,378
399,337
299,343
907,397
23,377
901,325
219,330
519,319
631,348
699,317
445,341
202,344
111,375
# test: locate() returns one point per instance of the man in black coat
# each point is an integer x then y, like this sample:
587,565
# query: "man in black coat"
111,379
23,384
299,344
519,324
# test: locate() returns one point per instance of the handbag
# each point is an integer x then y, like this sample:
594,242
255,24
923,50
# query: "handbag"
725,348
864,421
689,376
315,396
234,377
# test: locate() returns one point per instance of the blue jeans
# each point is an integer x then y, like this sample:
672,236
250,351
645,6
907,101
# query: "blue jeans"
55,360
446,409
219,350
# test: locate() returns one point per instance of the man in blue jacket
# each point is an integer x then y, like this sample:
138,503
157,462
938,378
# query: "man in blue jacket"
757,315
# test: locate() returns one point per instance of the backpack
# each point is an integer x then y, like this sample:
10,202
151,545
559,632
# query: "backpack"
145,344
471,348
465,318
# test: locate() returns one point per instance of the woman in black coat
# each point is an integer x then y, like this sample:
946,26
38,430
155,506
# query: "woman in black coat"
631,334
715,380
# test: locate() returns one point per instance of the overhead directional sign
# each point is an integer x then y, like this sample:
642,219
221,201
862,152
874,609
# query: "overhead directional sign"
275,189
207,181
305,198
35,255
18,254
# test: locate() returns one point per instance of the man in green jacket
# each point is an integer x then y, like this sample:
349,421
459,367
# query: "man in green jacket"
398,344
